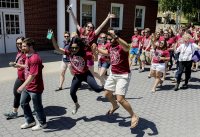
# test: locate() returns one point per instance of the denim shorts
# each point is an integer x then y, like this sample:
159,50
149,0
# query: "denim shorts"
134,51
103,64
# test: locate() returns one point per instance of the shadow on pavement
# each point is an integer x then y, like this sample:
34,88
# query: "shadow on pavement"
47,56
61,123
103,99
55,111
143,125
115,118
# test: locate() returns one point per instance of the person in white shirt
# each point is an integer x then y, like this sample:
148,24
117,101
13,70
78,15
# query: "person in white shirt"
186,51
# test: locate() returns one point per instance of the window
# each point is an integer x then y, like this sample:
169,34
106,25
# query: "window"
88,12
13,4
139,16
116,22
12,24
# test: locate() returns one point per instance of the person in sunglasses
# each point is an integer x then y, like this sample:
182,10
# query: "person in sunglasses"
103,60
19,62
65,61
78,58
89,33
118,80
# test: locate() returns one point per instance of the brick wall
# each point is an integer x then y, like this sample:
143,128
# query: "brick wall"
40,15
104,6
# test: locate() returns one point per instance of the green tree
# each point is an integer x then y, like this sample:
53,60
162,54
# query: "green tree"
188,7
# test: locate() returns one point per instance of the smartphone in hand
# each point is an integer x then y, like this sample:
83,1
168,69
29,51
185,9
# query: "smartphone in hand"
49,34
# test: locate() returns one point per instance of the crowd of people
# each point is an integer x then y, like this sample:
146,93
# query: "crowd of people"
164,50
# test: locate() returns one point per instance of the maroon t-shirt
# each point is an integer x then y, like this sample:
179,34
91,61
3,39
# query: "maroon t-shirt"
20,59
145,42
78,62
135,41
104,58
119,60
34,67
159,53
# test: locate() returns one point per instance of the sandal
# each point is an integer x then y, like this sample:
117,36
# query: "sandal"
135,122
111,111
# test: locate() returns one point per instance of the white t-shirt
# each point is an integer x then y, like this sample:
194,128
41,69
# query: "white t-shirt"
186,51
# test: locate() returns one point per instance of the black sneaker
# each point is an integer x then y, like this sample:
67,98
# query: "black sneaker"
76,107
176,87
33,112
184,86
11,115
59,88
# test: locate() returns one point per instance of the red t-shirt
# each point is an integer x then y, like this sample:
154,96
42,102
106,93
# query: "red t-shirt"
135,41
20,59
145,42
34,67
78,62
119,60
159,53
87,38
104,58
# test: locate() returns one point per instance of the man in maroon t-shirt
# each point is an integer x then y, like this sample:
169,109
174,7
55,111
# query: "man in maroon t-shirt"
32,88
119,77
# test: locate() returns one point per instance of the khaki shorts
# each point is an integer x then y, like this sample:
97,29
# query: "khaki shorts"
145,56
118,83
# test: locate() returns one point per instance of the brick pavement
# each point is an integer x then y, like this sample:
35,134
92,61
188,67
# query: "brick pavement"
164,114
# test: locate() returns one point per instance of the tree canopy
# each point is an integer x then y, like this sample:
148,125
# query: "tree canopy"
188,6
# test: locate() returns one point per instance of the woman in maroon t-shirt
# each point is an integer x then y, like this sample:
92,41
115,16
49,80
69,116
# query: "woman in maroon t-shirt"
20,60
89,33
78,58
160,56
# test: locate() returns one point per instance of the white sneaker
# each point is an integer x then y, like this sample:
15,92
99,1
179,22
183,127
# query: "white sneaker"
38,127
26,125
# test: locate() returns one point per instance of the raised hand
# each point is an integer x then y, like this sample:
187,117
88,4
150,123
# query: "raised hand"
111,15
69,8
49,34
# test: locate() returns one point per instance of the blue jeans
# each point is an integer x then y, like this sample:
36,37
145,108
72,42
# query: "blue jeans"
26,97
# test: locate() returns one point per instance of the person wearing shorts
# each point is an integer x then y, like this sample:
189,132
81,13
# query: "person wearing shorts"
159,57
119,77
65,61
104,60
136,39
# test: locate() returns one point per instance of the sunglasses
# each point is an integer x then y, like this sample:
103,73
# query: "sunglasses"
19,43
66,36
103,37
74,48
90,27
109,39
162,43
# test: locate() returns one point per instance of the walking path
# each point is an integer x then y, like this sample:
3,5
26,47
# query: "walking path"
166,113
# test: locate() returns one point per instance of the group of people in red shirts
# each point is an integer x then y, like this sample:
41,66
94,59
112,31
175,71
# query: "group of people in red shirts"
159,49
163,49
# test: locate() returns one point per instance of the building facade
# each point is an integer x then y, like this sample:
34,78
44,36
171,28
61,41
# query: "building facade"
32,18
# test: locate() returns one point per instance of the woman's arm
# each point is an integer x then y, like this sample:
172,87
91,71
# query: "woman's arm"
97,31
69,10
55,45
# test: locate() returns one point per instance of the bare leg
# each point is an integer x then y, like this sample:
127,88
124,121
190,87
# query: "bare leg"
62,78
110,97
128,108
157,81
102,72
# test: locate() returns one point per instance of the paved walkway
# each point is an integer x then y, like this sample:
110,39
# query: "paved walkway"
164,114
